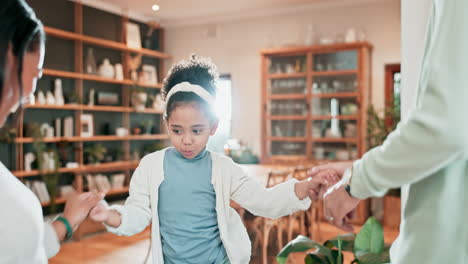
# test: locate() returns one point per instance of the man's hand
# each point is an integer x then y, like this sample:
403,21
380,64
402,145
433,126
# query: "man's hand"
316,186
339,207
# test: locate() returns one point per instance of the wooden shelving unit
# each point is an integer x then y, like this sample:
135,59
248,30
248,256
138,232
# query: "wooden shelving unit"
298,85
302,119
74,39
89,77
101,108
111,192
103,43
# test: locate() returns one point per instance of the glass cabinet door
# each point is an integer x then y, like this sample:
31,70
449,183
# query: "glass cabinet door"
334,151
335,84
335,128
336,61
288,128
334,106
279,148
288,86
288,64
288,107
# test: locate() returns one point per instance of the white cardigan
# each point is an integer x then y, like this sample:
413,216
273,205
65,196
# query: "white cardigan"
229,181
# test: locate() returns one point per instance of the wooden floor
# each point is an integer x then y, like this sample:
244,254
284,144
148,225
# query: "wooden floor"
108,248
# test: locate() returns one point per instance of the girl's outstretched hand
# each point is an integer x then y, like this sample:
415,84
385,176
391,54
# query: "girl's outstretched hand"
100,213
314,187
320,182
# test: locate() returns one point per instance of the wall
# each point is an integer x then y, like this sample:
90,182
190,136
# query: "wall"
235,49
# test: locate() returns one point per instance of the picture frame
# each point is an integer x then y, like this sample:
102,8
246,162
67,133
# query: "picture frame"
86,125
133,37
150,74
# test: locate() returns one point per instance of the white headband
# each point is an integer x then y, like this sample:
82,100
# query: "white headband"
188,87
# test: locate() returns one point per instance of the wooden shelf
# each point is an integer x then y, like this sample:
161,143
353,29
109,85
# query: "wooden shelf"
103,43
95,138
334,73
103,108
21,174
58,200
117,191
89,77
287,96
81,107
148,137
288,139
287,117
61,107
287,75
109,166
315,48
288,157
111,192
146,111
334,140
340,117
335,95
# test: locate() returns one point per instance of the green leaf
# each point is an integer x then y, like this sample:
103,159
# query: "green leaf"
347,242
373,258
300,244
371,238
337,256
313,258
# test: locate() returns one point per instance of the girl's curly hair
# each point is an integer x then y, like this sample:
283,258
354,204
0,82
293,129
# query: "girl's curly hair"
197,70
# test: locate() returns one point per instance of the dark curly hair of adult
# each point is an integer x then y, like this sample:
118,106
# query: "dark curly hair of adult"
197,70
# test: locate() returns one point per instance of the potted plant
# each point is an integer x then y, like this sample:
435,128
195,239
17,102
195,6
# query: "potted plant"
7,137
95,153
48,175
139,98
379,126
74,98
367,247
147,125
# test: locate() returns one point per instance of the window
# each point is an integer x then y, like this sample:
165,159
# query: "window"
223,108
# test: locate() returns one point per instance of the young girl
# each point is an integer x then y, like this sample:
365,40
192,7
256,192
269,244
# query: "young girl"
185,191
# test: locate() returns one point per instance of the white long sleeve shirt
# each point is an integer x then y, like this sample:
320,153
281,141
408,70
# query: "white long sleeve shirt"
24,237
229,181
429,151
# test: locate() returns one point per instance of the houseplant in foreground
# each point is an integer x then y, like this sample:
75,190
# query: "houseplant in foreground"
367,246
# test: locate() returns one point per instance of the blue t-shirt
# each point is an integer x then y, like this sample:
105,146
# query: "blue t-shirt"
187,211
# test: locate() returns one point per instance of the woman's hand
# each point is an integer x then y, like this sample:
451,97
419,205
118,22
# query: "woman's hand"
78,206
76,210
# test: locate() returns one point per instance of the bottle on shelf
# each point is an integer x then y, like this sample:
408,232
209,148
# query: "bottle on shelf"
91,66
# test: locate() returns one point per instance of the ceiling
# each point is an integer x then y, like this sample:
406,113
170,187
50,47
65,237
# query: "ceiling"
187,12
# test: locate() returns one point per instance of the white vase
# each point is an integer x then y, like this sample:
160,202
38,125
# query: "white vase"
50,99
106,69
58,93
139,100
41,98
351,35
118,71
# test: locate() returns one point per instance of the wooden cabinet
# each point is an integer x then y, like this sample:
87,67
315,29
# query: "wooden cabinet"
314,102
72,29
